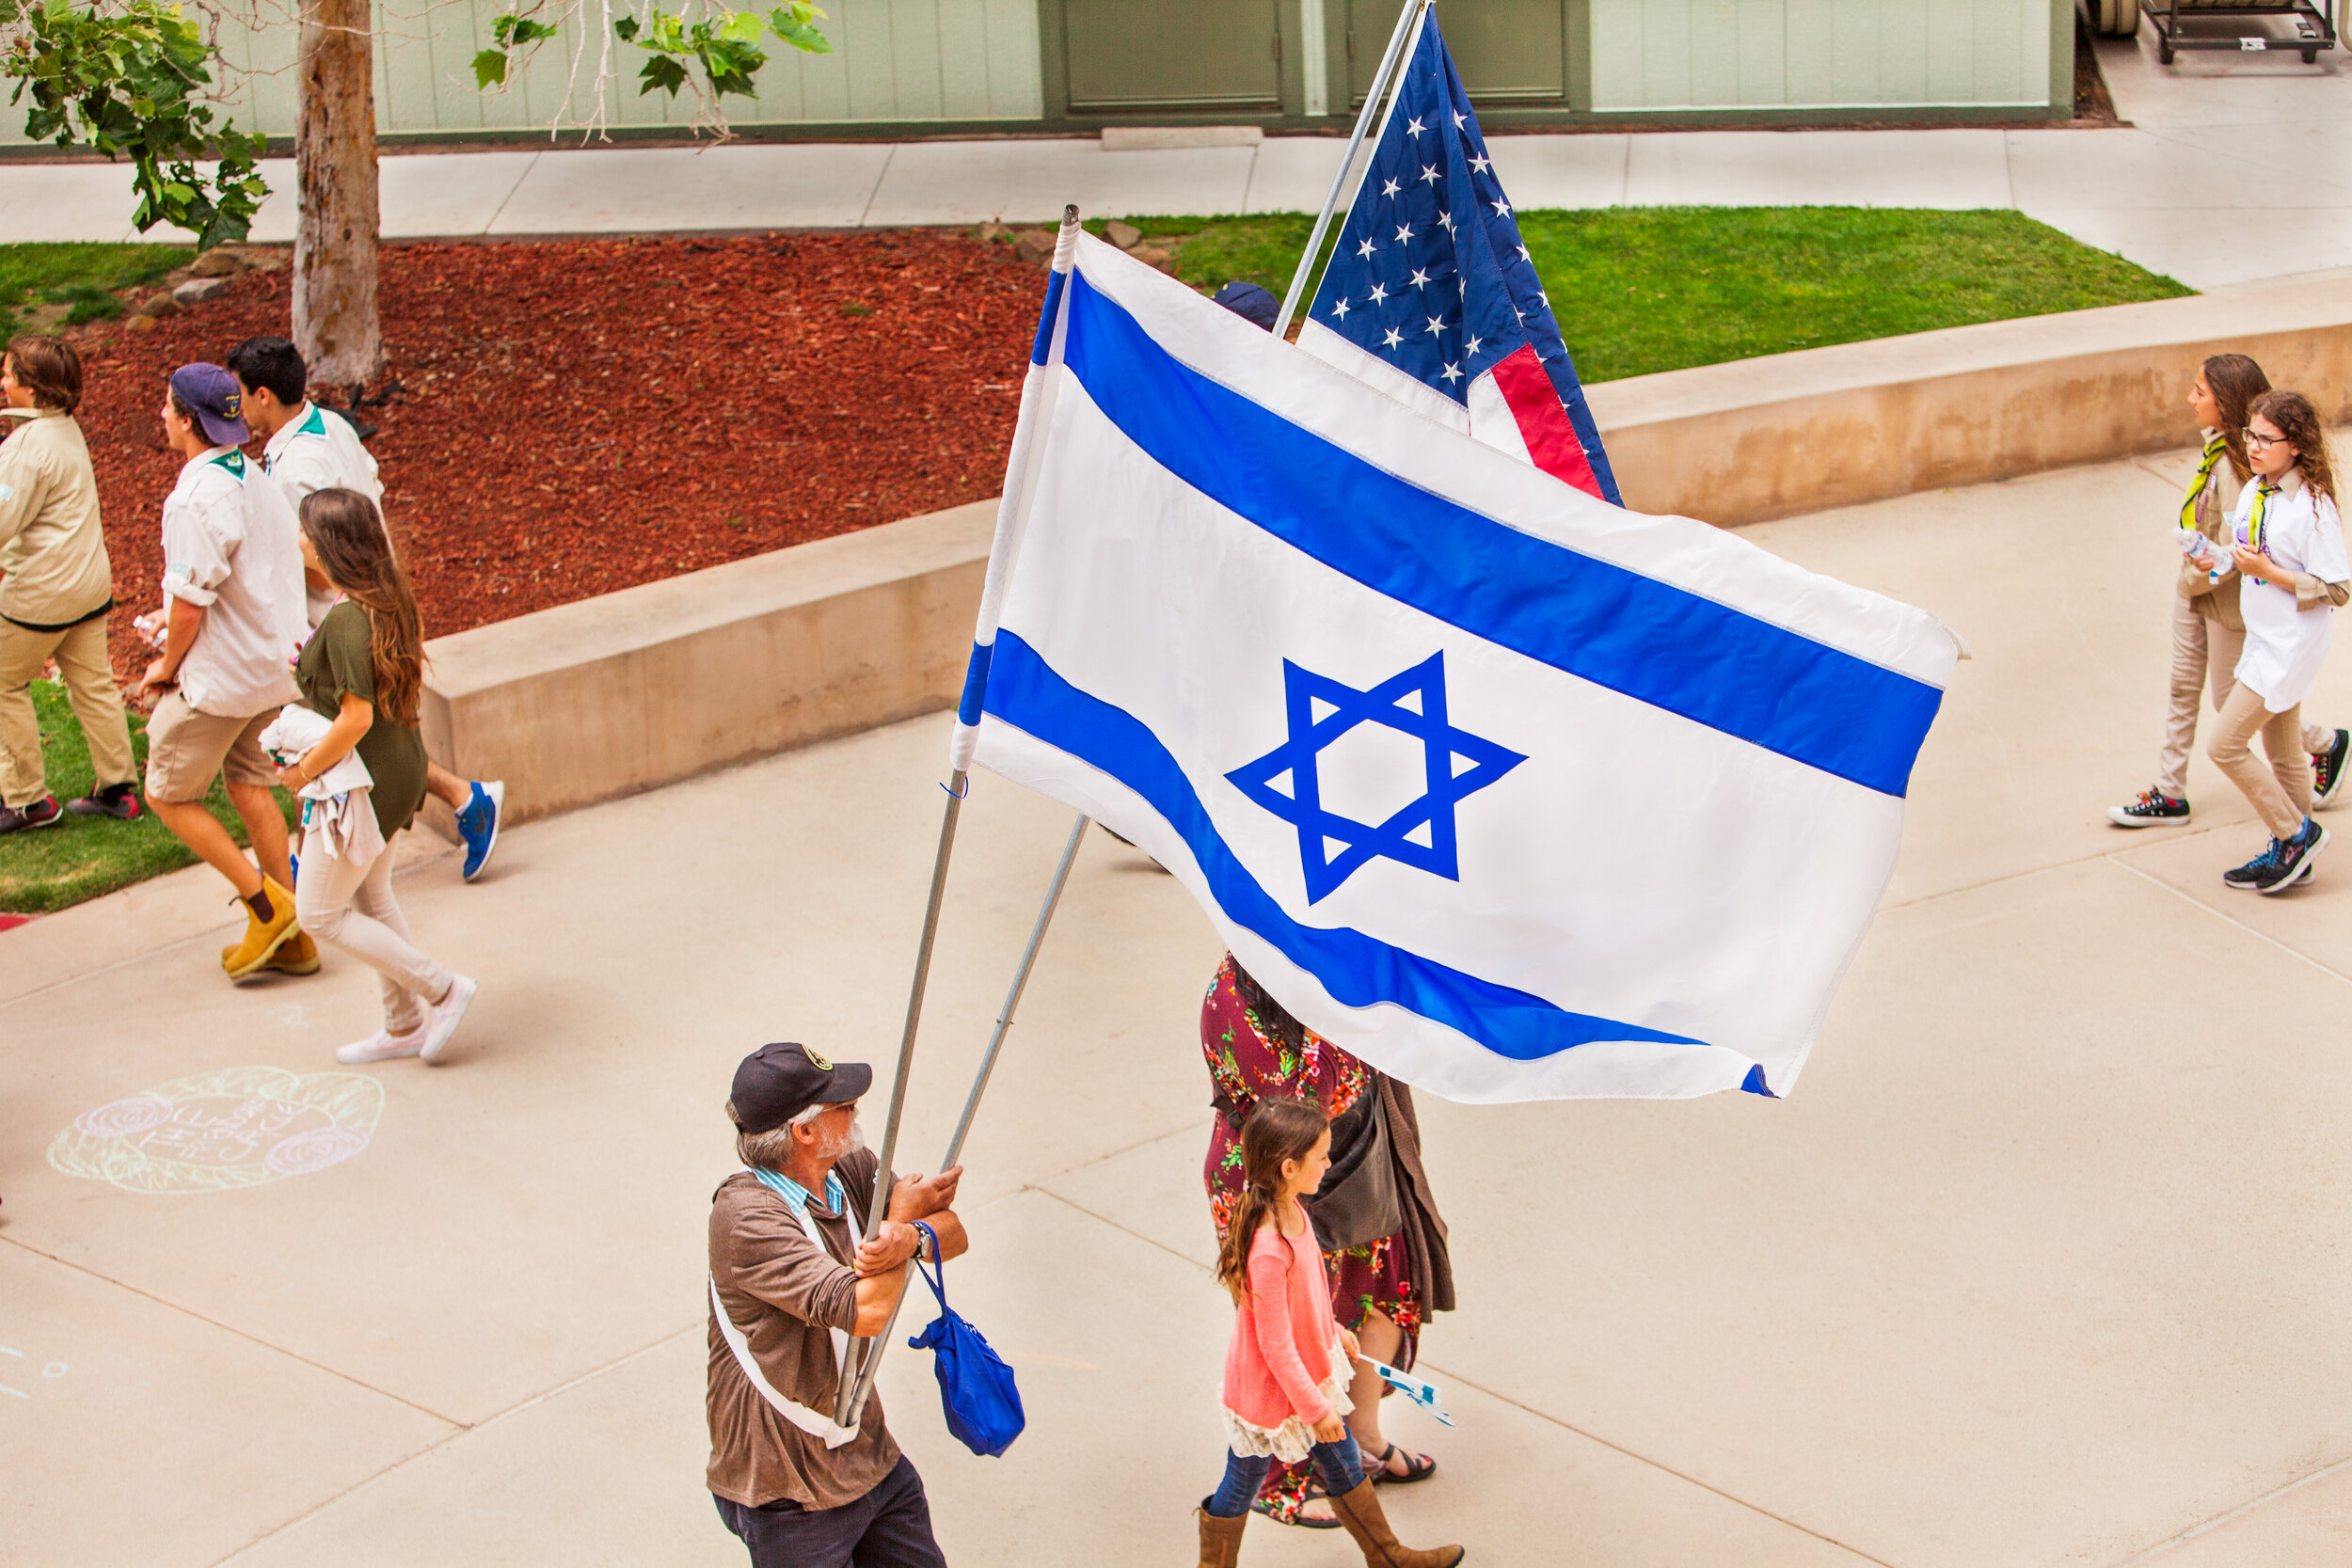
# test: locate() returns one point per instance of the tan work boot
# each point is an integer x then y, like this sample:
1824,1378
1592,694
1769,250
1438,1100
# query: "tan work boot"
1220,1539
262,938
1359,1510
299,955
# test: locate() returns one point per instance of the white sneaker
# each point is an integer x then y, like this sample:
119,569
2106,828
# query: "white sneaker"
382,1046
441,1022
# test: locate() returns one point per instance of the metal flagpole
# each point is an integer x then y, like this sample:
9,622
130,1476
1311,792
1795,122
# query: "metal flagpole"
1380,81
864,1380
958,786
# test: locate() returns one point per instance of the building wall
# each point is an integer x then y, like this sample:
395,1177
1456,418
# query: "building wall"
1667,54
894,60
902,64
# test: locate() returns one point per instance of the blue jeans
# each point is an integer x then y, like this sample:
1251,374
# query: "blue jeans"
1342,1466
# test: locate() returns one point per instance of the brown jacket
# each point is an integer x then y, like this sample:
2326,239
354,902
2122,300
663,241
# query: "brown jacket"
50,545
784,1295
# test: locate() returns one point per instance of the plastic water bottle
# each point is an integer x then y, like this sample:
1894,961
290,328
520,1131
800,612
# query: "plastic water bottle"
2205,553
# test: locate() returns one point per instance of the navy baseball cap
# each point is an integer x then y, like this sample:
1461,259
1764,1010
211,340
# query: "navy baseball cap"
1250,302
776,1083
218,402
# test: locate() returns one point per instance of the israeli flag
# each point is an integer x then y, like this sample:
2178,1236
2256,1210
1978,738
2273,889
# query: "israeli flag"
1512,792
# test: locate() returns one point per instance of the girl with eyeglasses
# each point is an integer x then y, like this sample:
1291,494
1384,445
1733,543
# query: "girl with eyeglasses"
2287,543
2208,634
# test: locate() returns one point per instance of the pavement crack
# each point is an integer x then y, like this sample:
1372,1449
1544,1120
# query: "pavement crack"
2150,1553
875,195
2193,902
447,1438
252,1338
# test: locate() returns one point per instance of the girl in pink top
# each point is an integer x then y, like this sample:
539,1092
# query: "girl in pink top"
1287,1369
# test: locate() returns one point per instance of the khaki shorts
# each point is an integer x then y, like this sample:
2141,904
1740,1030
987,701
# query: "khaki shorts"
185,748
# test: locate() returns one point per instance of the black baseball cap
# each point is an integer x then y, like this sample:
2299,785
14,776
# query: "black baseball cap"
1250,302
776,1083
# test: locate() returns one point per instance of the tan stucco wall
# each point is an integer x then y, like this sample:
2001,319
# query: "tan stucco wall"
591,700
1792,433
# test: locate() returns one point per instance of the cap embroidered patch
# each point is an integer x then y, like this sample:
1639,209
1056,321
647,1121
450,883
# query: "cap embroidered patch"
817,1062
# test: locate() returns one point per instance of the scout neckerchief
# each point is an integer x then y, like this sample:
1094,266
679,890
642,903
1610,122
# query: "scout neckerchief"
2215,446
2264,490
796,1197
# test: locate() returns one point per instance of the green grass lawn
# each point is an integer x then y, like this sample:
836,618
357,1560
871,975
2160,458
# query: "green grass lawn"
48,868
1645,289
79,276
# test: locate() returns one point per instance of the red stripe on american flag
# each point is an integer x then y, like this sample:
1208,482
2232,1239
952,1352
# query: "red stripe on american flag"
1543,423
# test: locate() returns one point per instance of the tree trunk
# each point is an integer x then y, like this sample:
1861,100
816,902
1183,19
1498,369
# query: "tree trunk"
334,237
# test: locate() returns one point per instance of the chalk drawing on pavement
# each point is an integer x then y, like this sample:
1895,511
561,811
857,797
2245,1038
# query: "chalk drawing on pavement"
237,1127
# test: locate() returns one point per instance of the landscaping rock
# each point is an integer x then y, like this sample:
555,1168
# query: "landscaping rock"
195,291
991,229
1126,236
139,324
157,306
217,263
1034,246
1152,256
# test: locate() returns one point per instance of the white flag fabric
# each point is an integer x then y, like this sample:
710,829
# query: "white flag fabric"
1512,792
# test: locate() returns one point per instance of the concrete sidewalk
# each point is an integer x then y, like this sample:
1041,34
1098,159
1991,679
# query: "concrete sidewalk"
2178,192
2042,1264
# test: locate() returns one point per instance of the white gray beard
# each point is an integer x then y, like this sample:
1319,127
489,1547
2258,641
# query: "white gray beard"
857,1139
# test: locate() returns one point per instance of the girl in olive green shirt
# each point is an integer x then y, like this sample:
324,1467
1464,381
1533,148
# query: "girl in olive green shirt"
364,669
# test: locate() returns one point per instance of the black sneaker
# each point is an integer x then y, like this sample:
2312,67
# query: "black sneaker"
2292,858
2154,809
2327,769
2250,876
120,801
43,813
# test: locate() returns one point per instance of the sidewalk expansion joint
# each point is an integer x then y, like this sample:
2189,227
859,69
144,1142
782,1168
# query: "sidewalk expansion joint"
248,1336
2327,970
461,1431
873,196
2151,1553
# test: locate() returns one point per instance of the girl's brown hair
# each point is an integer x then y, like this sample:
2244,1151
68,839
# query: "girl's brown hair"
49,368
355,554
2292,415
2236,382
1276,1131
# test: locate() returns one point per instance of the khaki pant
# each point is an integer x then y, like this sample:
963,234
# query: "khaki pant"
355,912
2204,655
89,686
187,748
2280,793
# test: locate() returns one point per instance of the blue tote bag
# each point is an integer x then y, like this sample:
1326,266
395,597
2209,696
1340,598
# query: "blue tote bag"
976,1387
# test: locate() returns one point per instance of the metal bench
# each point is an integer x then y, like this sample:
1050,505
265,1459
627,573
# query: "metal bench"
2315,24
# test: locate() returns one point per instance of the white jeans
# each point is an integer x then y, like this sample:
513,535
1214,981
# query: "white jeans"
354,911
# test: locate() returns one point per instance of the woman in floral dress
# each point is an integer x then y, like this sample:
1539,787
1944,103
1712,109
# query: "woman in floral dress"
1382,1290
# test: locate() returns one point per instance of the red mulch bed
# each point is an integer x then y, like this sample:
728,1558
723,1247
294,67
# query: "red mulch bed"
569,418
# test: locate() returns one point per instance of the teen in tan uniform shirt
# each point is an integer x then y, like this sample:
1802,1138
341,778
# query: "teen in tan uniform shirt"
56,592
796,1489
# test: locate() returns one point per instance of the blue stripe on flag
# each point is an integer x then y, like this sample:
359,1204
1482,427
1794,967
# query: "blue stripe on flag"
1648,640
974,684
1044,344
1359,970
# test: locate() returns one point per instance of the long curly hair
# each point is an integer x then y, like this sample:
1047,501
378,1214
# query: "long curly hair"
1276,1131
2236,382
2292,415
347,534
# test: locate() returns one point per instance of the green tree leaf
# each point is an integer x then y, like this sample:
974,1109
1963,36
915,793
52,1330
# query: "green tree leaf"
490,68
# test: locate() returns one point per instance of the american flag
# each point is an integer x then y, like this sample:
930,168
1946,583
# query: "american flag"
1431,294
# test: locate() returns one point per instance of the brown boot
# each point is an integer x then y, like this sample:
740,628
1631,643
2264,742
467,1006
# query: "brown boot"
1359,1510
1220,1539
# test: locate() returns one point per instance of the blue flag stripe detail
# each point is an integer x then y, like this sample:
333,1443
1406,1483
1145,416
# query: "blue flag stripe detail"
1635,635
974,684
1359,970
1044,344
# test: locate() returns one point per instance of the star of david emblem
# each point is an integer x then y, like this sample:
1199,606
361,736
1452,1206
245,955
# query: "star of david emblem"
1456,765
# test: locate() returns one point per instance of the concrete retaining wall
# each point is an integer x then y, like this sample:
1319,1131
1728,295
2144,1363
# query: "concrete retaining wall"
1790,433
591,700
620,693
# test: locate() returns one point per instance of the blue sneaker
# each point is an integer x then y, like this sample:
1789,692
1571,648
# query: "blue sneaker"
294,862
479,824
